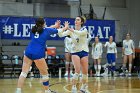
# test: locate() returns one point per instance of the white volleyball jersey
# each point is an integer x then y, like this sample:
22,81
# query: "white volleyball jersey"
97,50
68,43
89,38
79,40
128,46
111,47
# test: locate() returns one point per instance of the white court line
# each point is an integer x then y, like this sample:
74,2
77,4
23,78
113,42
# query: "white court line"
116,90
93,81
66,88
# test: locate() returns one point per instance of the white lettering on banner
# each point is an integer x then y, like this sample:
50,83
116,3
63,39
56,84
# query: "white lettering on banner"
107,29
32,25
102,32
16,34
26,32
91,30
8,29
99,33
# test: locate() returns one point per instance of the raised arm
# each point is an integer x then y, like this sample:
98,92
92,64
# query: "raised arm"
56,25
83,32
62,32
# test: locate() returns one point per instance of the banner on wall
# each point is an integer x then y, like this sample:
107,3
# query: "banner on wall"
20,27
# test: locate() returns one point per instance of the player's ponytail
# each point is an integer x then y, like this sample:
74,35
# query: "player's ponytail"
39,25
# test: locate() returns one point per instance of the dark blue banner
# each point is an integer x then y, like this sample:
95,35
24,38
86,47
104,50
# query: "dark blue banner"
20,27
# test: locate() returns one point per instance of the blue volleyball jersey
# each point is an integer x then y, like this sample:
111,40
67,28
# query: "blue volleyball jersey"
36,47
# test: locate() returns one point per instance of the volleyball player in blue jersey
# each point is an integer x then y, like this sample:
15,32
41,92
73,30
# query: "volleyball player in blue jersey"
35,52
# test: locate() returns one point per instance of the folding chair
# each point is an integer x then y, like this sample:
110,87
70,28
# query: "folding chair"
7,65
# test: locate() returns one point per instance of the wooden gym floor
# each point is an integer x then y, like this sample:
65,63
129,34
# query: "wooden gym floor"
63,85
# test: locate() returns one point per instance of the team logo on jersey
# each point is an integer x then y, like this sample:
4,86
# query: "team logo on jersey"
126,46
110,48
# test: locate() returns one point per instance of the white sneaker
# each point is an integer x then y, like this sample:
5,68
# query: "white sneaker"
98,74
122,74
74,89
104,74
66,75
129,74
80,75
84,89
49,91
71,74
95,74
18,91
32,75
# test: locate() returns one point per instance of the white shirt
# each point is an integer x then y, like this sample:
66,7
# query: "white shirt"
68,44
97,49
111,47
128,46
79,39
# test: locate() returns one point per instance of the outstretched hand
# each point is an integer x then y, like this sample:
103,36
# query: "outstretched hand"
66,25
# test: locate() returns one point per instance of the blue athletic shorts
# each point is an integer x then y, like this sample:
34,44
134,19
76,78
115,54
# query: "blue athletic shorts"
111,57
34,56
81,54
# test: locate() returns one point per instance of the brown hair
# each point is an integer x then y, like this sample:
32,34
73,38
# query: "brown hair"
83,19
128,33
95,43
39,23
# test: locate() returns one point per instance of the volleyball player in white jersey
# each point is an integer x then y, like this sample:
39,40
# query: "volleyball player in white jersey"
68,64
111,55
79,53
128,52
97,55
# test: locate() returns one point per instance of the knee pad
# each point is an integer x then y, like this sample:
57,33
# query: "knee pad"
46,83
23,74
84,76
130,65
113,64
76,76
45,78
71,63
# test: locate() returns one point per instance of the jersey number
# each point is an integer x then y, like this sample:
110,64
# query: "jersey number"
36,35
77,39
